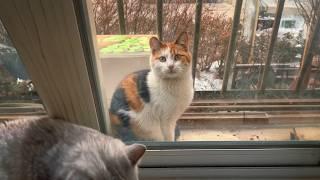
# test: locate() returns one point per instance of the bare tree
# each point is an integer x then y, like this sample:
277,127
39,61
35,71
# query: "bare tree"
178,16
308,9
140,16
215,34
105,16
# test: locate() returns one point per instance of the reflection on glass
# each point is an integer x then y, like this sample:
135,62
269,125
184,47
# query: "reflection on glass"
14,81
16,88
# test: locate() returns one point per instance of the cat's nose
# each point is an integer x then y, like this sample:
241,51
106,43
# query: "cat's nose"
171,67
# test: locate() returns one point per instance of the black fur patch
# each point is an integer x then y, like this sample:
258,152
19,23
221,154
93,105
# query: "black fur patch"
142,85
118,102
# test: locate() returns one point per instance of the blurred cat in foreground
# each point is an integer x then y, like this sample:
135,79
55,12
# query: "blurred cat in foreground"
51,149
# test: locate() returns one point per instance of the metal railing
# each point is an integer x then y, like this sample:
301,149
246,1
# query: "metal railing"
232,45
229,64
275,29
284,73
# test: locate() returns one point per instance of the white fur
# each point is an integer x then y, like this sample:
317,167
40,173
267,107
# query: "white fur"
171,94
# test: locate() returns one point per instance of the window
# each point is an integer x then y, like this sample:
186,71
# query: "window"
254,113
18,96
248,96
289,24
247,99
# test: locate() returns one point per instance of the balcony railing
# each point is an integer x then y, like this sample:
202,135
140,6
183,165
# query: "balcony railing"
230,67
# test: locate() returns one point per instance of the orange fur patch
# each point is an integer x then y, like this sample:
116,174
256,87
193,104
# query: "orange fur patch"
115,122
156,54
174,50
179,50
114,119
129,86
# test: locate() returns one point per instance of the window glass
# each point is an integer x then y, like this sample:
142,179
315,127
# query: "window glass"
252,45
288,24
314,80
288,49
18,96
262,102
216,22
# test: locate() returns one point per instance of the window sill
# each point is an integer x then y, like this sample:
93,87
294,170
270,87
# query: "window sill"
196,173
236,160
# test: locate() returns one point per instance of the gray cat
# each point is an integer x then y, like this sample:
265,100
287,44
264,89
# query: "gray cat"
34,149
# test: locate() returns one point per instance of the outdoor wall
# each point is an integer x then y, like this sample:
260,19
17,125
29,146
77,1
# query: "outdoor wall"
117,67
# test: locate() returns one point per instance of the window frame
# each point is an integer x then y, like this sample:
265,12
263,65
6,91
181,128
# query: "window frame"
212,159
196,173
87,31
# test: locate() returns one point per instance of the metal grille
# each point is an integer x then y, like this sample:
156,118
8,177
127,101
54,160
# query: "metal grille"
229,66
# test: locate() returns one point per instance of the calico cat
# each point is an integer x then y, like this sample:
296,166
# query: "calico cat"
37,149
148,103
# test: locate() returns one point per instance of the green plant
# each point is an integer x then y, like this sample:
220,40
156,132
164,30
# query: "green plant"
124,44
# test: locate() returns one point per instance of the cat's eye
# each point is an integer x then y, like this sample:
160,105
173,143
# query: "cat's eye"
177,57
162,59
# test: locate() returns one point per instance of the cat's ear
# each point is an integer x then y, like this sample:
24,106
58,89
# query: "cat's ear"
155,44
135,152
183,40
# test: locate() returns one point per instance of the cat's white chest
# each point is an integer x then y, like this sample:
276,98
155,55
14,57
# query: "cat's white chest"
168,101
170,98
